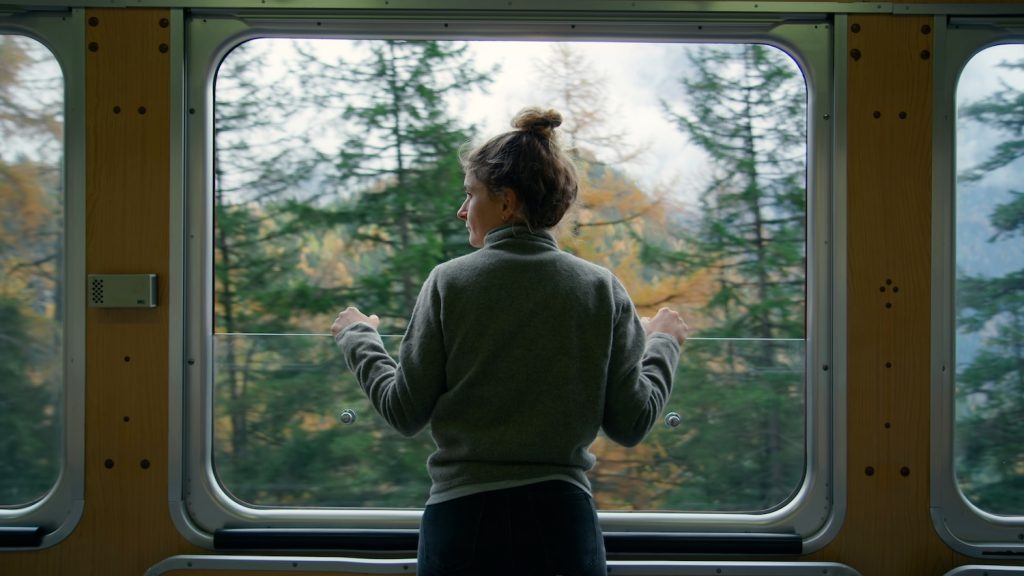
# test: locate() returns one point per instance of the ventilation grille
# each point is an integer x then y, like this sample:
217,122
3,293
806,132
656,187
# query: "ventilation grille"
122,290
96,291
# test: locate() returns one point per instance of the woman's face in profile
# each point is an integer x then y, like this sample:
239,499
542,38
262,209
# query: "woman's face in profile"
481,211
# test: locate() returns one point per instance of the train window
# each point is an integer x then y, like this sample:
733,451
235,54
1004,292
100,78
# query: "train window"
349,198
323,172
989,296
31,240
979,477
41,225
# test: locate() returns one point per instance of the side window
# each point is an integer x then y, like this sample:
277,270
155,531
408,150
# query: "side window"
31,258
331,178
978,243
989,294
41,262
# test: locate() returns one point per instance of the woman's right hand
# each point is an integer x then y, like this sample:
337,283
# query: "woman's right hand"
350,316
667,321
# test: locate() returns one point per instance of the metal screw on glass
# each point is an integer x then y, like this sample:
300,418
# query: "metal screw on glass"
672,420
347,416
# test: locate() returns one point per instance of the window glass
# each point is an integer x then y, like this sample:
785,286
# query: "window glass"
31,270
989,293
336,182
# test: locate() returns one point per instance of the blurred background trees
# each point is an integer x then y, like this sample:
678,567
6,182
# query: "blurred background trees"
31,269
745,106
356,207
989,300
356,204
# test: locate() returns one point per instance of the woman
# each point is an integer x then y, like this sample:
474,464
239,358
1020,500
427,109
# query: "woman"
516,355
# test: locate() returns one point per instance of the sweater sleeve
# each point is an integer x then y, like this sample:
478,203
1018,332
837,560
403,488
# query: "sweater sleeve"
403,393
640,374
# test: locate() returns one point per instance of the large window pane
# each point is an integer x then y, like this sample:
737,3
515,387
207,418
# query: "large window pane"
336,182
31,270
989,459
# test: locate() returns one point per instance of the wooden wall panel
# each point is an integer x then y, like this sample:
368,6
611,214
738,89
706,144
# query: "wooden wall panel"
127,231
126,526
888,529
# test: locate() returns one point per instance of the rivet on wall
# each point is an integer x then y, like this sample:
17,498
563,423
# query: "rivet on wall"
904,471
144,464
926,29
164,22
876,114
127,418
142,109
855,54
127,358
855,27
869,471
94,21
925,54
903,115
163,48
117,109
108,463
93,47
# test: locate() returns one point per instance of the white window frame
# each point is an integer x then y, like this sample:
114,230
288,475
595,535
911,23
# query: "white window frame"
198,504
963,526
58,512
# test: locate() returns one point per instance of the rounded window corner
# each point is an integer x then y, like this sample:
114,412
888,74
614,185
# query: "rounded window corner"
187,525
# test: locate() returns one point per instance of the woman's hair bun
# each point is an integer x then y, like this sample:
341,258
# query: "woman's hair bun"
542,122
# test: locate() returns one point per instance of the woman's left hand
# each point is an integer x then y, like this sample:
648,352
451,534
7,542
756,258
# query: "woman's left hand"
350,316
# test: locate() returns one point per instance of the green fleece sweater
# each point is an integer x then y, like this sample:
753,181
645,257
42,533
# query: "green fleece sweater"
516,355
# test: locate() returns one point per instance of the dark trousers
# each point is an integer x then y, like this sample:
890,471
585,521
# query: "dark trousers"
540,529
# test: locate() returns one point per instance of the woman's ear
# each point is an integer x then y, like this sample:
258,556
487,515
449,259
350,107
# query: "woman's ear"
509,205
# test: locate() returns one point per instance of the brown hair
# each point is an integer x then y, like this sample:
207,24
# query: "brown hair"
529,161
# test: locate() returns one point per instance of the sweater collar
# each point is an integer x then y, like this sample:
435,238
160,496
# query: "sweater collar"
519,232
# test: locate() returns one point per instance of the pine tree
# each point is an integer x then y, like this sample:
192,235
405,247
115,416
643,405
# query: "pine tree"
255,169
337,183
265,394
747,112
398,164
